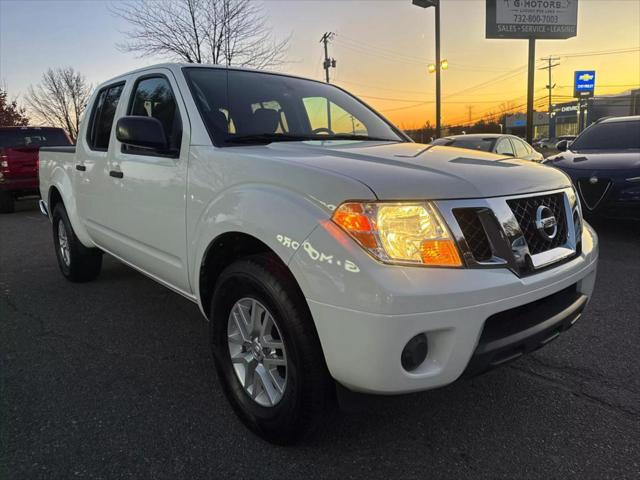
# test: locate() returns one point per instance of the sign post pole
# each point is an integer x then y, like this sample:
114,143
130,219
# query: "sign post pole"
531,20
584,84
530,81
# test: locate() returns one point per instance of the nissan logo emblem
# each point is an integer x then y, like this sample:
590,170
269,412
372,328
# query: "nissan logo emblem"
546,223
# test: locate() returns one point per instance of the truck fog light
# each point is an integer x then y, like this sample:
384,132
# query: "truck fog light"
414,352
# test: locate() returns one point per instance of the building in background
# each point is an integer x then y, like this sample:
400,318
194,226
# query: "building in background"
565,117
516,124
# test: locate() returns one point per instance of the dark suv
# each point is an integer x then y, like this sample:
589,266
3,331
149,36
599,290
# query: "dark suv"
604,165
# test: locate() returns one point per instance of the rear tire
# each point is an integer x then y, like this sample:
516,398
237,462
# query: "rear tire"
7,202
295,396
77,262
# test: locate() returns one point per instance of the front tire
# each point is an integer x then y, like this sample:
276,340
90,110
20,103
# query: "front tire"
7,202
77,262
267,352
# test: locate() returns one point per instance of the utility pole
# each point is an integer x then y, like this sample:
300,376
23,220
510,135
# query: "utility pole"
530,82
438,66
550,86
470,110
438,72
328,62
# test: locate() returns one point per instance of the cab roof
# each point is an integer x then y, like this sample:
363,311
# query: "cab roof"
176,67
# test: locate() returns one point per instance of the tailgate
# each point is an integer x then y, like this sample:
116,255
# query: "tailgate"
19,162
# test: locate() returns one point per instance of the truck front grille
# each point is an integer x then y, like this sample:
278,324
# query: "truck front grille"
525,209
508,231
474,233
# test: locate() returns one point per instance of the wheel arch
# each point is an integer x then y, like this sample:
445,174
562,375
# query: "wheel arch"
54,197
61,191
226,249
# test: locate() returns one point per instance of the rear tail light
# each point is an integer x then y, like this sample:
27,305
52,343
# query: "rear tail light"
4,163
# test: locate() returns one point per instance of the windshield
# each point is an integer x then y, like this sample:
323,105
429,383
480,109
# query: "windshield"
33,137
609,136
482,144
249,107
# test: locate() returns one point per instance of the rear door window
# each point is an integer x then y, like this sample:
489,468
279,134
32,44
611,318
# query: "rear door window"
504,147
102,116
521,148
33,137
482,144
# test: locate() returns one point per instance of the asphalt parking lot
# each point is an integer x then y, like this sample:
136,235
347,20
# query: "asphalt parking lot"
114,379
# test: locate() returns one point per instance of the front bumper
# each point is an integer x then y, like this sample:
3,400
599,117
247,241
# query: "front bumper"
365,312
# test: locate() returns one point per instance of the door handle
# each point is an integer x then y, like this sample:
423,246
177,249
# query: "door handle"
116,174
81,168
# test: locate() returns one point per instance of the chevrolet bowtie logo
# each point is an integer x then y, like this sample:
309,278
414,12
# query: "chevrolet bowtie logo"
585,77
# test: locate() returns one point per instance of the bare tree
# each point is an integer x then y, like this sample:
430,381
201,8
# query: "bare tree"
11,114
60,99
228,32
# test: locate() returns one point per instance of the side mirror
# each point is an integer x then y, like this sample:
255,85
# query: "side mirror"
145,132
562,145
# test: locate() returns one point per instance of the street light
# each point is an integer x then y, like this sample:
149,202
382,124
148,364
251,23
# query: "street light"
444,64
436,4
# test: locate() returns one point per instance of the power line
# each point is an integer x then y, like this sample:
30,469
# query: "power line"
382,88
487,112
407,107
600,52
421,101
380,55
397,90
605,86
379,49
512,73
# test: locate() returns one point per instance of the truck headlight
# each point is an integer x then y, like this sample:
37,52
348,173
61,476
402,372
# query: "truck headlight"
399,232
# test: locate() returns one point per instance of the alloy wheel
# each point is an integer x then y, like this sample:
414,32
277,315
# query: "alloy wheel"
63,243
257,351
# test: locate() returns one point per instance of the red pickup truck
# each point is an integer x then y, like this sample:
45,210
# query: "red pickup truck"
19,160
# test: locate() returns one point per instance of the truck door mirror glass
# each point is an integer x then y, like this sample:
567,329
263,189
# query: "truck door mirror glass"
562,145
143,132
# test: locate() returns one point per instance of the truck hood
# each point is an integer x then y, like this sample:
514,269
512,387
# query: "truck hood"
405,171
597,160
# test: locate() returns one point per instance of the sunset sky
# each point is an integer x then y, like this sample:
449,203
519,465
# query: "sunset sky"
382,49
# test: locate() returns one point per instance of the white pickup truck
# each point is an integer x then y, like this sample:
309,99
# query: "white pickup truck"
323,246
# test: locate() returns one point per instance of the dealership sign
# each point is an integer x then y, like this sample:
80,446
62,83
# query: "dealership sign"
584,83
544,19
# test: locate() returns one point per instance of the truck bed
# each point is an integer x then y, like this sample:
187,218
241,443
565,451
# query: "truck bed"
52,159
